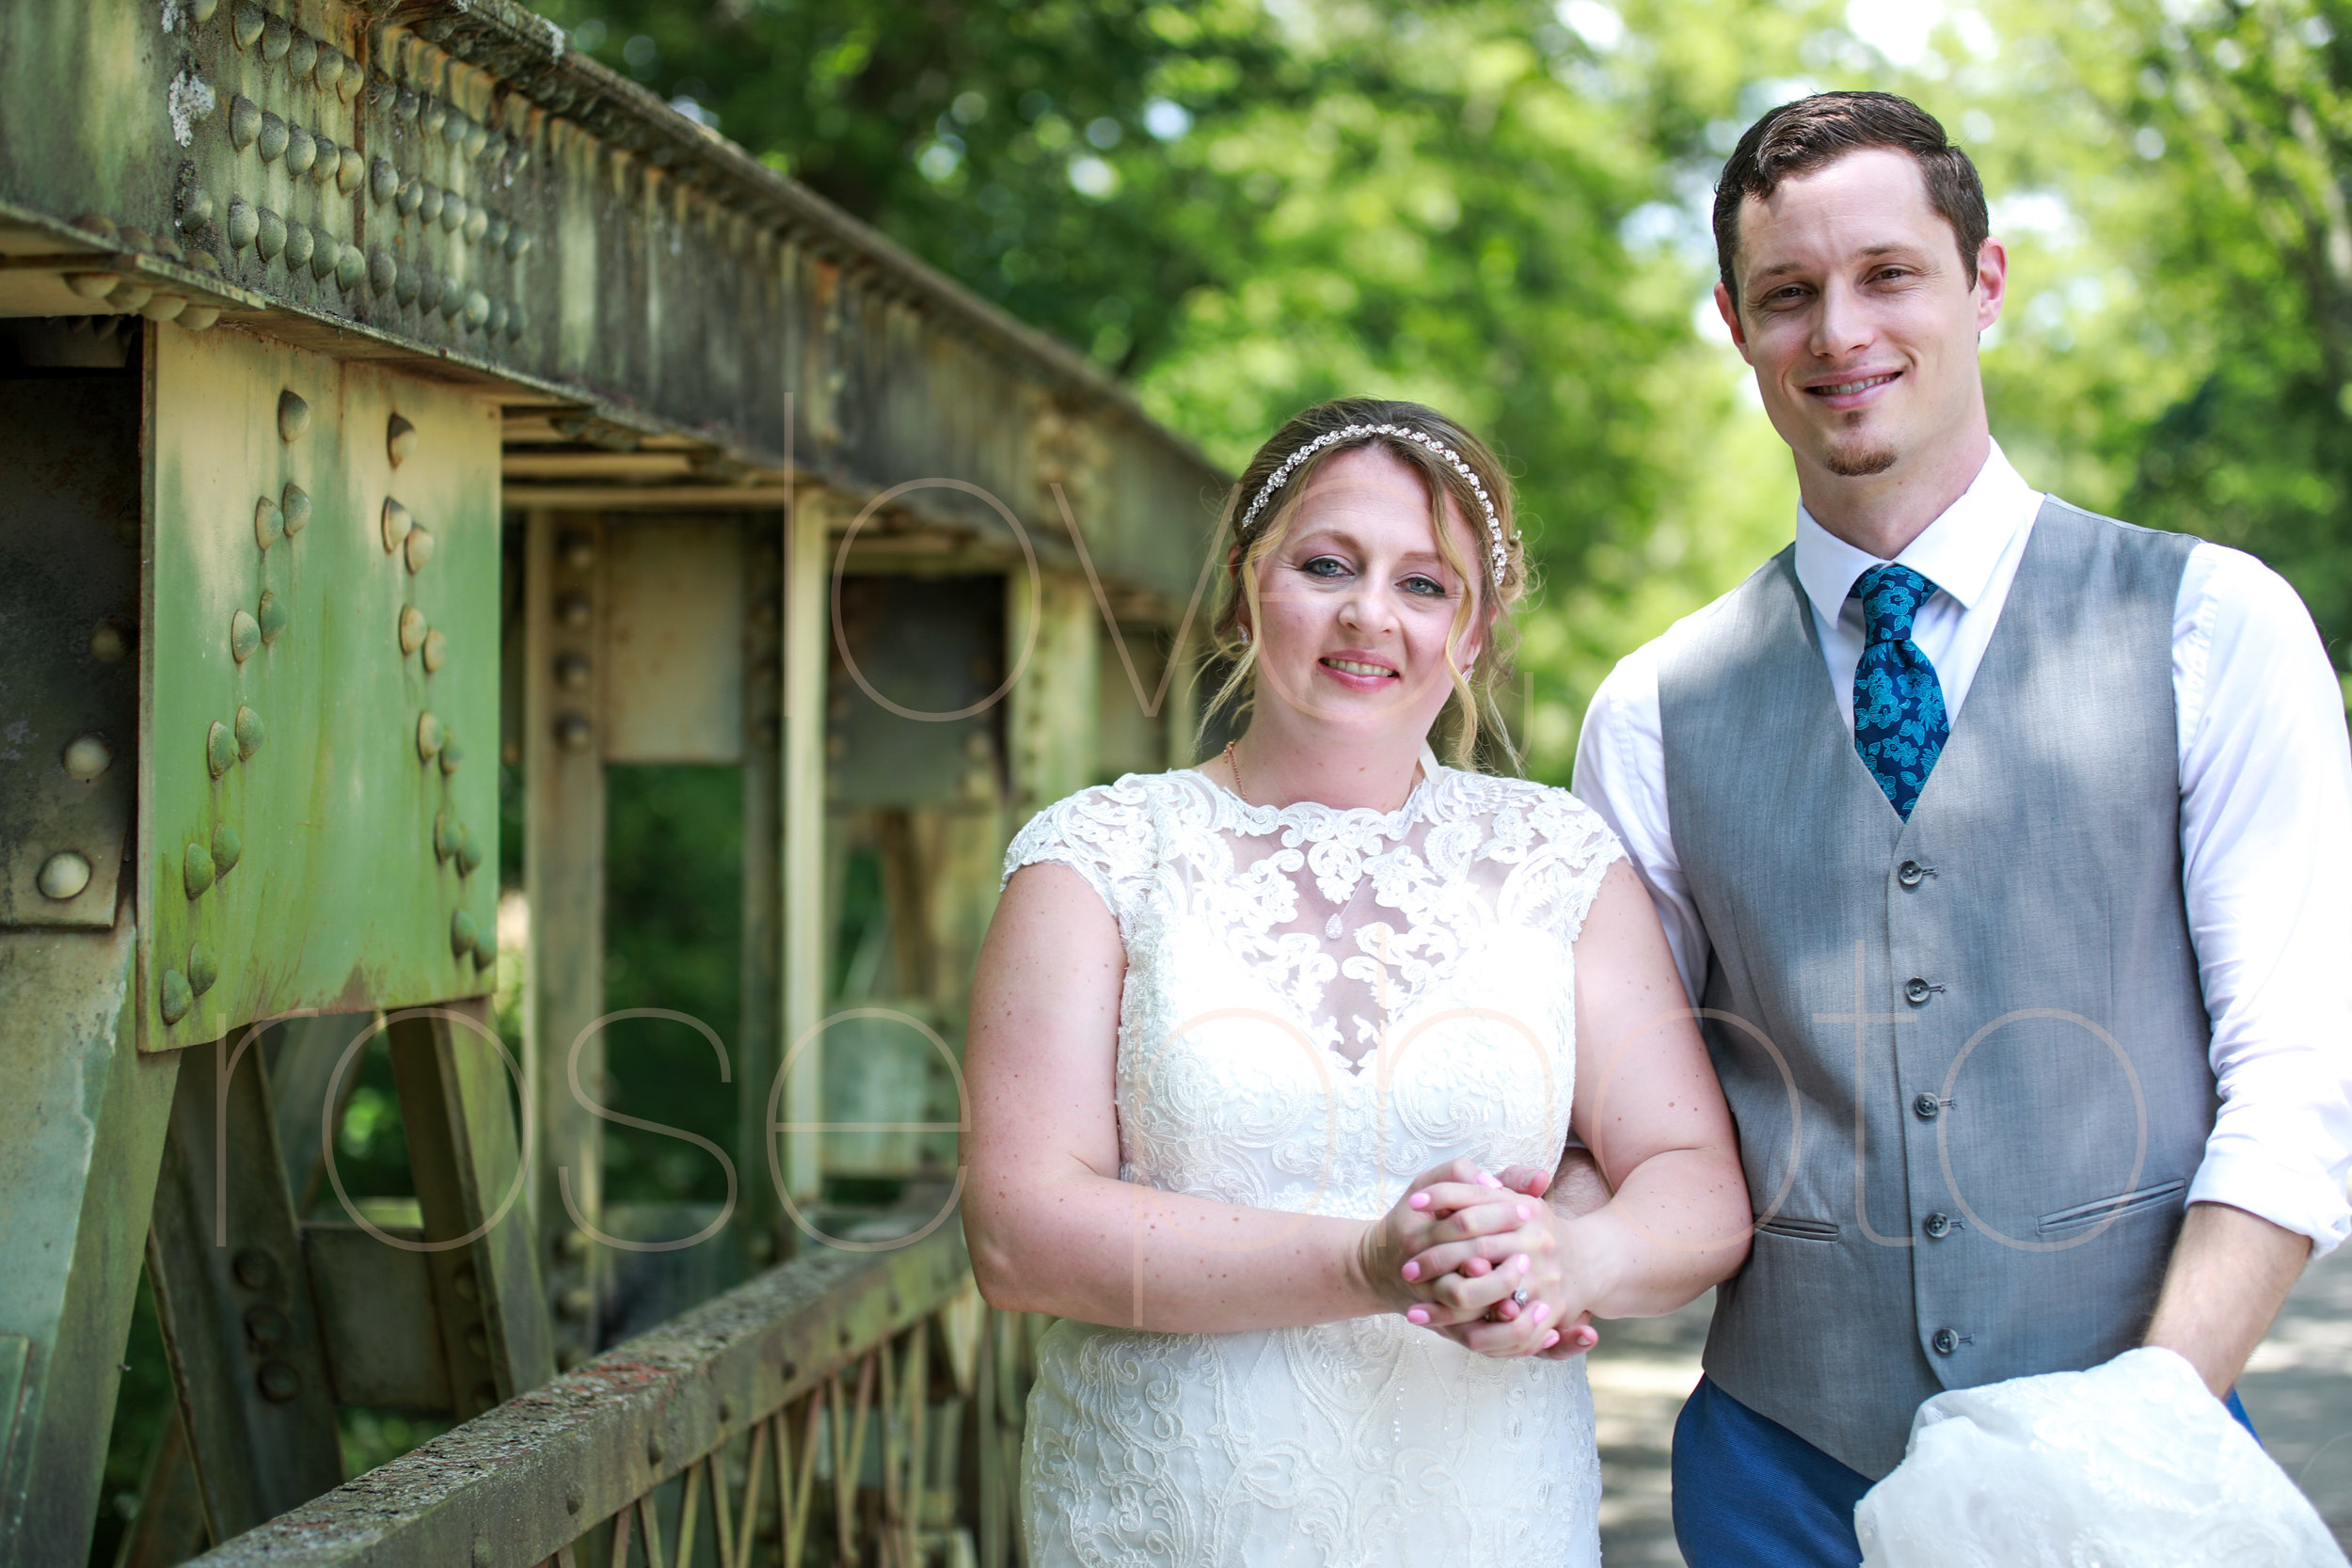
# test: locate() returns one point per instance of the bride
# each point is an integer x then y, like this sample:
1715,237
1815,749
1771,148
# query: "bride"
1273,1061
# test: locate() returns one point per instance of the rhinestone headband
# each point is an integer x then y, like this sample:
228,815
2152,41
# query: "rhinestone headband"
1349,433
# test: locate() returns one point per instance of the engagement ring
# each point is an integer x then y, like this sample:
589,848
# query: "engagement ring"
1519,1295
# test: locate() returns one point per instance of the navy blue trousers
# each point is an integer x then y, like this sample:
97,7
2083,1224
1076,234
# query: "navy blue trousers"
1749,1493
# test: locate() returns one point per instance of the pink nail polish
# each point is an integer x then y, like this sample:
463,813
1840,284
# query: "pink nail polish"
1485,1181
1551,1338
1419,1200
1522,1262
1525,1213
1419,1315
1541,1310
1412,1270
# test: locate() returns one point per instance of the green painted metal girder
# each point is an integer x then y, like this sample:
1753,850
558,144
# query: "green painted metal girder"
319,816
447,176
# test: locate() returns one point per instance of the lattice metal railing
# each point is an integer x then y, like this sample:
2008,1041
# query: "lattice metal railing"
841,1409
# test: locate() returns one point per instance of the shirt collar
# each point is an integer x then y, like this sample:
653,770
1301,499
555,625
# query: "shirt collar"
1958,552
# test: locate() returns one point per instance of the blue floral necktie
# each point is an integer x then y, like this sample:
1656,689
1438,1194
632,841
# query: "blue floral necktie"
1898,720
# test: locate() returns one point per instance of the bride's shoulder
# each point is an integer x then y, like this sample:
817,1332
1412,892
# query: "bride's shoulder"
1108,825
1546,811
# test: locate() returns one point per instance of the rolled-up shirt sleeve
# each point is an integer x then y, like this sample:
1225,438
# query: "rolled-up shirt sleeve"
2267,866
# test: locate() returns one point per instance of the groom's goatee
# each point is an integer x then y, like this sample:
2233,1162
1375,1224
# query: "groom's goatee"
1860,462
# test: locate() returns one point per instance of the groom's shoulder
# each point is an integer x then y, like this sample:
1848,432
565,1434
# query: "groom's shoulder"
1636,676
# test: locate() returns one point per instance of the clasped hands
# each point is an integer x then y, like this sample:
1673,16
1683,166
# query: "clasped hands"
1461,1243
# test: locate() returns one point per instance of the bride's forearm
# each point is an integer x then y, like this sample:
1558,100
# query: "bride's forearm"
1129,1256
1678,1224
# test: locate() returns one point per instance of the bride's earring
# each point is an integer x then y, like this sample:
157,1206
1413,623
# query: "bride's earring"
1244,634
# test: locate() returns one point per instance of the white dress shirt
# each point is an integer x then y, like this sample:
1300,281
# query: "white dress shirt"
2266,821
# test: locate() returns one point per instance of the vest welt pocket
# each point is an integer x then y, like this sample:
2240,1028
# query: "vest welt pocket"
1798,1230
2122,1205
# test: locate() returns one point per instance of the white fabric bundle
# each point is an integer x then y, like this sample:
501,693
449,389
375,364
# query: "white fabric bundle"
2131,1465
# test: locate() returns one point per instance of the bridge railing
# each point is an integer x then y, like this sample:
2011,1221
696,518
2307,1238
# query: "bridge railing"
844,1407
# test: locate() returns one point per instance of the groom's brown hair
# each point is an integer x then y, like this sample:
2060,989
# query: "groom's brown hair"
1799,137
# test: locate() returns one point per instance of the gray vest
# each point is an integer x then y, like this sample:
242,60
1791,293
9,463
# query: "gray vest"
1967,1054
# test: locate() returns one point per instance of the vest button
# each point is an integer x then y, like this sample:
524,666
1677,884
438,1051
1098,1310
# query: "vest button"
1909,873
1945,1342
1916,990
1937,1227
1925,1106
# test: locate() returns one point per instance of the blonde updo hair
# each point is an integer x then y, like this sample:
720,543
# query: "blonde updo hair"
1471,725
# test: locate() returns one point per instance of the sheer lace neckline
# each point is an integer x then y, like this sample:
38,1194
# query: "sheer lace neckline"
1314,819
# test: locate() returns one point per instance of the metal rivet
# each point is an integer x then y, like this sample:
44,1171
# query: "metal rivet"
462,932
486,951
477,1338
453,300
197,318
294,502
383,272
419,548
477,139
101,226
245,121
453,211
498,317
428,735
517,242
494,230
294,415
349,82
464,1283
298,246
272,140
279,1382
266,1326
269,524
303,57
247,25
244,635
93,285
164,307
351,166
63,876
106,644
483,1557
572,731
245,223
220,748
324,248
477,223
574,609
254,1270
470,853
277,37
444,835
573,1501
196,209
248,732
174,998
572,672
400,439
428,291
128,295
653,1450
431,200
412,628
330,158
477,308
273,616
383,184
86,756
431,115
411,196
515,321
195,869
404,104
350,266
436,645
456,129
302,150
202,971
226,848
396,524
451,755
330,67
270,233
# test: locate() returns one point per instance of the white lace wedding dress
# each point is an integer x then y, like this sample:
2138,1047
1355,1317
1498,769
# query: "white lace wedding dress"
1319,1006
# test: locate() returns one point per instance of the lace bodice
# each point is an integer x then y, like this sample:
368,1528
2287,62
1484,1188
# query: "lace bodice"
1319,1004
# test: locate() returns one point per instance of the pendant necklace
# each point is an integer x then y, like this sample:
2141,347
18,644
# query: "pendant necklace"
1337,923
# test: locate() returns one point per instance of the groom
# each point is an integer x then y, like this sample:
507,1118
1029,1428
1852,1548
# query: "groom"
2010,848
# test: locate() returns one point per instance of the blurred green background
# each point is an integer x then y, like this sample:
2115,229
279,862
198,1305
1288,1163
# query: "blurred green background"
1498,207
